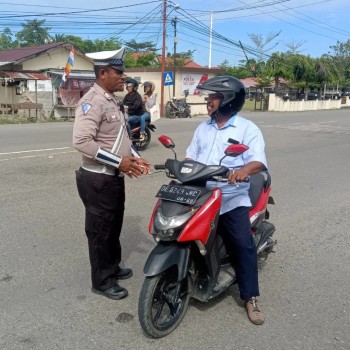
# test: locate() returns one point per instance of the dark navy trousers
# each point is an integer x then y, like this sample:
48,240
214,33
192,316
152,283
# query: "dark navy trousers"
103,197
235,229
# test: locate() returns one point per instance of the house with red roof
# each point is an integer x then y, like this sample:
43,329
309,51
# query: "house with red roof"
30,78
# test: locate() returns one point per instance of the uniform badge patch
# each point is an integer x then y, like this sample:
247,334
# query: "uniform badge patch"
108,96
86,107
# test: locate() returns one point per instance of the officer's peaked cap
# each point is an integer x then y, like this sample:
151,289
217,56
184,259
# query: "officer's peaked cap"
113,59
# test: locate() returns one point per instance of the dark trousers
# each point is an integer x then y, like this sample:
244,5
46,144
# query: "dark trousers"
235,229
103,197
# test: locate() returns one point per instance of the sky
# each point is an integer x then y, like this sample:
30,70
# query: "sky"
311,26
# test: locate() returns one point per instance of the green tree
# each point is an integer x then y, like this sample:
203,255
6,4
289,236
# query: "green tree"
181,57
294,46
239,72
277,68
341,58
147,46
300,71
261,69
187,55
59,37
326,72
264,45
6,41
34,33
107,45
147,60
93,45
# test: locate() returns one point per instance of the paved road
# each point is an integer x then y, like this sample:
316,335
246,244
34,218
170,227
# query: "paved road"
45,297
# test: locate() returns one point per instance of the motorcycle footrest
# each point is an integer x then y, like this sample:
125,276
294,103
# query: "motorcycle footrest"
225,278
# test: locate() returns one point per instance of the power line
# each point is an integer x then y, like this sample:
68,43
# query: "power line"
341,31
81,11
246,7
149,24
139,21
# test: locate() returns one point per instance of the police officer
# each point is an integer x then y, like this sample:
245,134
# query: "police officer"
100,134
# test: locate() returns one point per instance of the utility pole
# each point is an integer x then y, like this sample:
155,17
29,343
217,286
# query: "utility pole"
163,62
173,22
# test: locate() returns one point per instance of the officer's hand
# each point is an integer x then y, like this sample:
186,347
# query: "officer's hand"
134,167
129,166
144,165
238,175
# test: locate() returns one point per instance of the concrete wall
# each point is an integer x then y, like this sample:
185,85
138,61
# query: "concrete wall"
8,94
278,105
44,95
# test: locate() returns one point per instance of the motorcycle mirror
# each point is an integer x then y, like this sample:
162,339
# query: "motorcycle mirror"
235,150
166,141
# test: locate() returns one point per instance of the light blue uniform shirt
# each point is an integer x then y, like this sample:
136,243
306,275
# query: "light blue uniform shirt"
208,146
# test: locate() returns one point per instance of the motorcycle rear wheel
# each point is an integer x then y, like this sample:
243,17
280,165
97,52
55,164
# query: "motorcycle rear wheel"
142,145
159,314
169,111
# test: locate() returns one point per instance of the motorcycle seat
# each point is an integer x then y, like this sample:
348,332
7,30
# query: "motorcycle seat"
258,182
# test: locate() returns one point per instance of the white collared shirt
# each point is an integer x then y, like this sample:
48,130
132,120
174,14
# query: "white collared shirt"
208,146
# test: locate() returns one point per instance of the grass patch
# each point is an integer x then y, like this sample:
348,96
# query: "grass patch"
4,121
11,120
249,105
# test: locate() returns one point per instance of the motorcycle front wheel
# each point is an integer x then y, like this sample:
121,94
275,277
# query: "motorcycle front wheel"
159,313
142,145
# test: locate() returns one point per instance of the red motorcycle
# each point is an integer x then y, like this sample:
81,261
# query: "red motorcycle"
190,258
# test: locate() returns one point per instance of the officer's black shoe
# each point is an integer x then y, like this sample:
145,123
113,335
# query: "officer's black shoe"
124,274
116,292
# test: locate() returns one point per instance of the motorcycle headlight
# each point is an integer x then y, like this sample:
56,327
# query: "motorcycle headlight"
167,228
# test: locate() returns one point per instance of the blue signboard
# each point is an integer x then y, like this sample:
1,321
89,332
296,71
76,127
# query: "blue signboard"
168,78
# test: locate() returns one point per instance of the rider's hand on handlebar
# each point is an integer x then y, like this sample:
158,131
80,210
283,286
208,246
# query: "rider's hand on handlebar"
238,175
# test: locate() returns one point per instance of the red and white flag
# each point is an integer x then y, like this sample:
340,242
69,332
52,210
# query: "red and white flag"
68,68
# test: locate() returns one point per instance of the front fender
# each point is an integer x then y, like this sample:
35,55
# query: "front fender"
163,256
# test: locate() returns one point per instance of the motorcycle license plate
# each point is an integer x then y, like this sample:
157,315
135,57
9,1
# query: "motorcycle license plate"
178,194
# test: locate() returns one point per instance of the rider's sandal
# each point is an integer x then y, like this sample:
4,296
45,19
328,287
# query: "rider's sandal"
255,315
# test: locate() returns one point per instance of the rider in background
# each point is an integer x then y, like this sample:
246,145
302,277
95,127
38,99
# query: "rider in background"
132,101
148,100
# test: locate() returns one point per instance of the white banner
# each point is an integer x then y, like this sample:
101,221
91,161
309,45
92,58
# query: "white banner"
155,114
42,85
190,81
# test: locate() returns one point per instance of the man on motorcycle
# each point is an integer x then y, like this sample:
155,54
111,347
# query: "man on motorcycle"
148,101
132,101
226,97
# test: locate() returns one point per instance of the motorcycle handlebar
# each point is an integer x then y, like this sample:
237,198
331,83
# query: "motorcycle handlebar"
215,178
159,167
224,179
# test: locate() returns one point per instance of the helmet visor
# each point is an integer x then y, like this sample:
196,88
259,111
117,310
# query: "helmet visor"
210,95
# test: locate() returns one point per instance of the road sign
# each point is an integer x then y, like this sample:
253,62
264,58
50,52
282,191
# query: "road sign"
168,78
